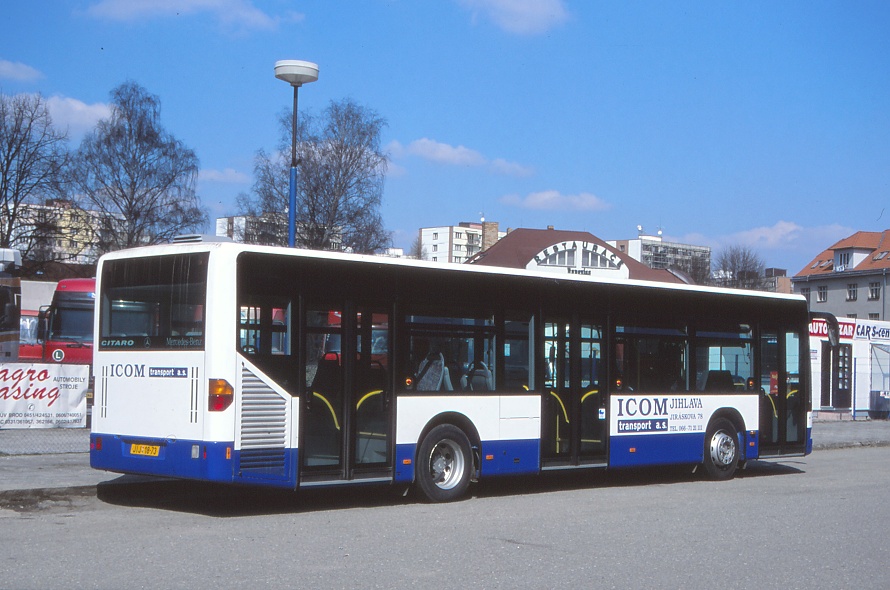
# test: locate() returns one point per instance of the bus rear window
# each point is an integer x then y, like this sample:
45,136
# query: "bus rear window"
153,303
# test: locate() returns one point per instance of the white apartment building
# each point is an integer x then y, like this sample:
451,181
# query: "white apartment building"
457,243
654,252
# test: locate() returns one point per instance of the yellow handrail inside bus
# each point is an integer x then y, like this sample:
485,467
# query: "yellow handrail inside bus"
589,393
366,396
561,405
330,407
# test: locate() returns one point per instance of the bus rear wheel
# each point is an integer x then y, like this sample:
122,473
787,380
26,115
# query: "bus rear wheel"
444,464
721,450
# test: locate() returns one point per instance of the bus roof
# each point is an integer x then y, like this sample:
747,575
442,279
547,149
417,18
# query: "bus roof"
479,269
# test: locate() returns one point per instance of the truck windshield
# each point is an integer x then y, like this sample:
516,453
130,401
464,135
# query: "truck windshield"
74,322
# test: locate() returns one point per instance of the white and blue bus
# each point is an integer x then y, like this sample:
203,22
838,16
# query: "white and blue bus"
281,367
10,304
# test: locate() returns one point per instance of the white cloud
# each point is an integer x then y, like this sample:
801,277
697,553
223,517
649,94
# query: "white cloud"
506,168
785,243
552,200
521,17
233,15
443,153
227,176
782,233
393,170
78,117
10,70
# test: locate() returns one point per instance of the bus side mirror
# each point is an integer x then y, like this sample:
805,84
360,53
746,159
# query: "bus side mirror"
42,324
9,315
834,329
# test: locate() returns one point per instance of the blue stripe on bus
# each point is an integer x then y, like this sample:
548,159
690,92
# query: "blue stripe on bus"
752,446
405,463
503,457
508,457
638,450
272,467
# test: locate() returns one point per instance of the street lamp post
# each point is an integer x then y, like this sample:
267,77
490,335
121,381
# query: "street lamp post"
296,73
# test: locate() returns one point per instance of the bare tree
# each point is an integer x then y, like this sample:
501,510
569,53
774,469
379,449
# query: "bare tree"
139,178
698,269
33,155
340,188
739,267
417,250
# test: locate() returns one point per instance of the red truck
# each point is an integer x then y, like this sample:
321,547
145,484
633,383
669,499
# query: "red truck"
66,326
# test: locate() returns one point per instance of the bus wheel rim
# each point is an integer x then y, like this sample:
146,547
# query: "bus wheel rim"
446,464
722,449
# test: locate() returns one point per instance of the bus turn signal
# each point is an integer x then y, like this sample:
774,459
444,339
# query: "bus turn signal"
220,395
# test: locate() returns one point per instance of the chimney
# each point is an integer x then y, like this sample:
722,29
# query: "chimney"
489,234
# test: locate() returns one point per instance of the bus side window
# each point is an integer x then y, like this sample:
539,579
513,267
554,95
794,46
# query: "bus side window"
650,359
450,354
724,360
518,355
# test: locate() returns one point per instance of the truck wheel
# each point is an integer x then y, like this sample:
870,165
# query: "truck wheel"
444,464
721,450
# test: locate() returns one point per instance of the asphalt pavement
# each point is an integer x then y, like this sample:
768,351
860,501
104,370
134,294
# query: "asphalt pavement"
49,468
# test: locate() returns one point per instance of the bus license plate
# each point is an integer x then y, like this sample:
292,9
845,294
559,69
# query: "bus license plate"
146,450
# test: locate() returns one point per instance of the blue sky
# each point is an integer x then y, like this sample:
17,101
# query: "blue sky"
764,124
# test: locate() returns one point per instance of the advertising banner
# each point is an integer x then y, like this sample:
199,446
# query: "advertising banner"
43,396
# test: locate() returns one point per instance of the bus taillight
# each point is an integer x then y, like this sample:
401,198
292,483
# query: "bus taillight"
220,395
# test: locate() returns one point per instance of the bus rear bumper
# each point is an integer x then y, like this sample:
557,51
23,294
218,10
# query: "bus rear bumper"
185,459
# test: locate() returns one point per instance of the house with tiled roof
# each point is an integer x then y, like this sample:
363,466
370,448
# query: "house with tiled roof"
850,278
568,253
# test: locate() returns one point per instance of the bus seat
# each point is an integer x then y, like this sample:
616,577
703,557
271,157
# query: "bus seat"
430,373
477,378
446,379
719,381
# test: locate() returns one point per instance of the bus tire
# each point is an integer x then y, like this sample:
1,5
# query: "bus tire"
721,450
444,464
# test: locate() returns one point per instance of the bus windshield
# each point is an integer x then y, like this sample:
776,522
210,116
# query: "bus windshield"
154,303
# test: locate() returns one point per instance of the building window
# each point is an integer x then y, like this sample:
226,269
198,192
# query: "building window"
843,260
852,291
435,235
458,235
852,316
821,294
435,247
874,316
874,291
805,291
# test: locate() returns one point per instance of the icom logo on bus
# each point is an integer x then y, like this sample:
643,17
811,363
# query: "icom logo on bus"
658,414
125,370
646,406
131,370
641,414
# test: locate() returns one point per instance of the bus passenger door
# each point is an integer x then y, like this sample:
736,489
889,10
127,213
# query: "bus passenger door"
573,412
371,395
345,422
783,405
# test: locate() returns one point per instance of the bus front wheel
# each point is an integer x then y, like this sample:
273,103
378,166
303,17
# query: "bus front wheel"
721,449
444,464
